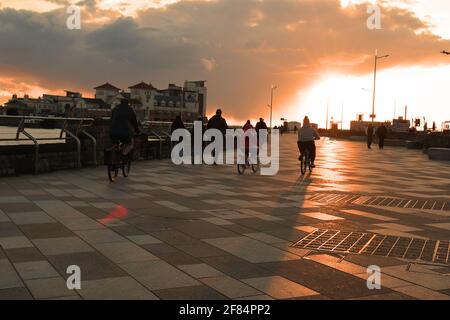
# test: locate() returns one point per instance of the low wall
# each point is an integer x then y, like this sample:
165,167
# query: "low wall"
437,140
20,159
416,140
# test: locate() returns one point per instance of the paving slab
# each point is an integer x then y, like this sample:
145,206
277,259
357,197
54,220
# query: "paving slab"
279,287
251,250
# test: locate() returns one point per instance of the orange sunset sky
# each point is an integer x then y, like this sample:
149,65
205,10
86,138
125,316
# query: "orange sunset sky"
316,51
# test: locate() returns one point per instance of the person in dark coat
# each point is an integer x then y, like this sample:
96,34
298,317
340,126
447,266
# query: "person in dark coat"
381,133
123,123
177,124
219,123
369,136
260,125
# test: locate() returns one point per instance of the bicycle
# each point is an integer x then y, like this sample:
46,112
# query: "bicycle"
116,160
305,162
242,167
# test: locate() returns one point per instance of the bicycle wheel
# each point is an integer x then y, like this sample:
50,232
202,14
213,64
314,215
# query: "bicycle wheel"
241,168
113,172
126,167
255,167
303,164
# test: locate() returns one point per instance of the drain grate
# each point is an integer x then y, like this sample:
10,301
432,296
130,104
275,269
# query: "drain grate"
340,198
348,242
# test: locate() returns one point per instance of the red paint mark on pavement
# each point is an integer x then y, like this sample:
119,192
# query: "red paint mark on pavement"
120,212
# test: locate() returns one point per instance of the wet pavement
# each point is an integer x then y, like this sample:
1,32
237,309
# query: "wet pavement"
204,232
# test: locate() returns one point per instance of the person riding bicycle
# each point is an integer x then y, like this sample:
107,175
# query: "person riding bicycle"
123,125
247,126
306,137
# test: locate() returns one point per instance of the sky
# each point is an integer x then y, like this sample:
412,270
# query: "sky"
317,52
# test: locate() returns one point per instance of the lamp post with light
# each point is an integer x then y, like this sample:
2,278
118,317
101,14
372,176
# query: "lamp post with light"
271,103
377,57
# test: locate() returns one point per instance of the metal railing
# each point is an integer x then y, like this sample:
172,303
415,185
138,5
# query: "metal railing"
159,131
79,125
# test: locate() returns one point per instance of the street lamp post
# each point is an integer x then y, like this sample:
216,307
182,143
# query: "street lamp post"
373,116
271,103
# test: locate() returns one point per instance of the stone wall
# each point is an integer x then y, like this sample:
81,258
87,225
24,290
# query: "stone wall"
20,159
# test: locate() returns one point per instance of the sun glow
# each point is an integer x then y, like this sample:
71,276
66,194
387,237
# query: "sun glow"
424,90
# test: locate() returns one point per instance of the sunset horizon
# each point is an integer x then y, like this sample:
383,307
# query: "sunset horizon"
225,159
316,57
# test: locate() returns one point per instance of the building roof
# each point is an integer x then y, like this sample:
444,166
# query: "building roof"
143,86
107,86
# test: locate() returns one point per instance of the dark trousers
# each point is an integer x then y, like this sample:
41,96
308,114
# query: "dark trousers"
369,142
381,142
310,145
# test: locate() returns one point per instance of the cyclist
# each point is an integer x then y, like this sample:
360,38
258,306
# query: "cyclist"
247,126
306,137
123,126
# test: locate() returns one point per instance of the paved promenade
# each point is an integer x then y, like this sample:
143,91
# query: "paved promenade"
202,232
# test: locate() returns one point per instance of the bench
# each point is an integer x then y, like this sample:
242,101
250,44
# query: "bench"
439,154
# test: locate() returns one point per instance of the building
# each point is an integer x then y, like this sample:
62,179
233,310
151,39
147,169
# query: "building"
153,104
64,106
446,127
149,103
29,106
294,124
401,125
359,126
106,92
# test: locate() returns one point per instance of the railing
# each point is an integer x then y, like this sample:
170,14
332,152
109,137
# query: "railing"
79,124
159,131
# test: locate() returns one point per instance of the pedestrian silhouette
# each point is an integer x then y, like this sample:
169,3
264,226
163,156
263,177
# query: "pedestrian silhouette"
381,133
369,136
219,123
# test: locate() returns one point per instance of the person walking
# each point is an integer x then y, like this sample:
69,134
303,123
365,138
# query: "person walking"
381,133
261,125
219,123
369,136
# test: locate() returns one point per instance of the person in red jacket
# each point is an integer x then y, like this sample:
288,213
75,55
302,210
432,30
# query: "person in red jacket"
247,126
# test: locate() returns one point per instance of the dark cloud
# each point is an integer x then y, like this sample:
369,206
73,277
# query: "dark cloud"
240,47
